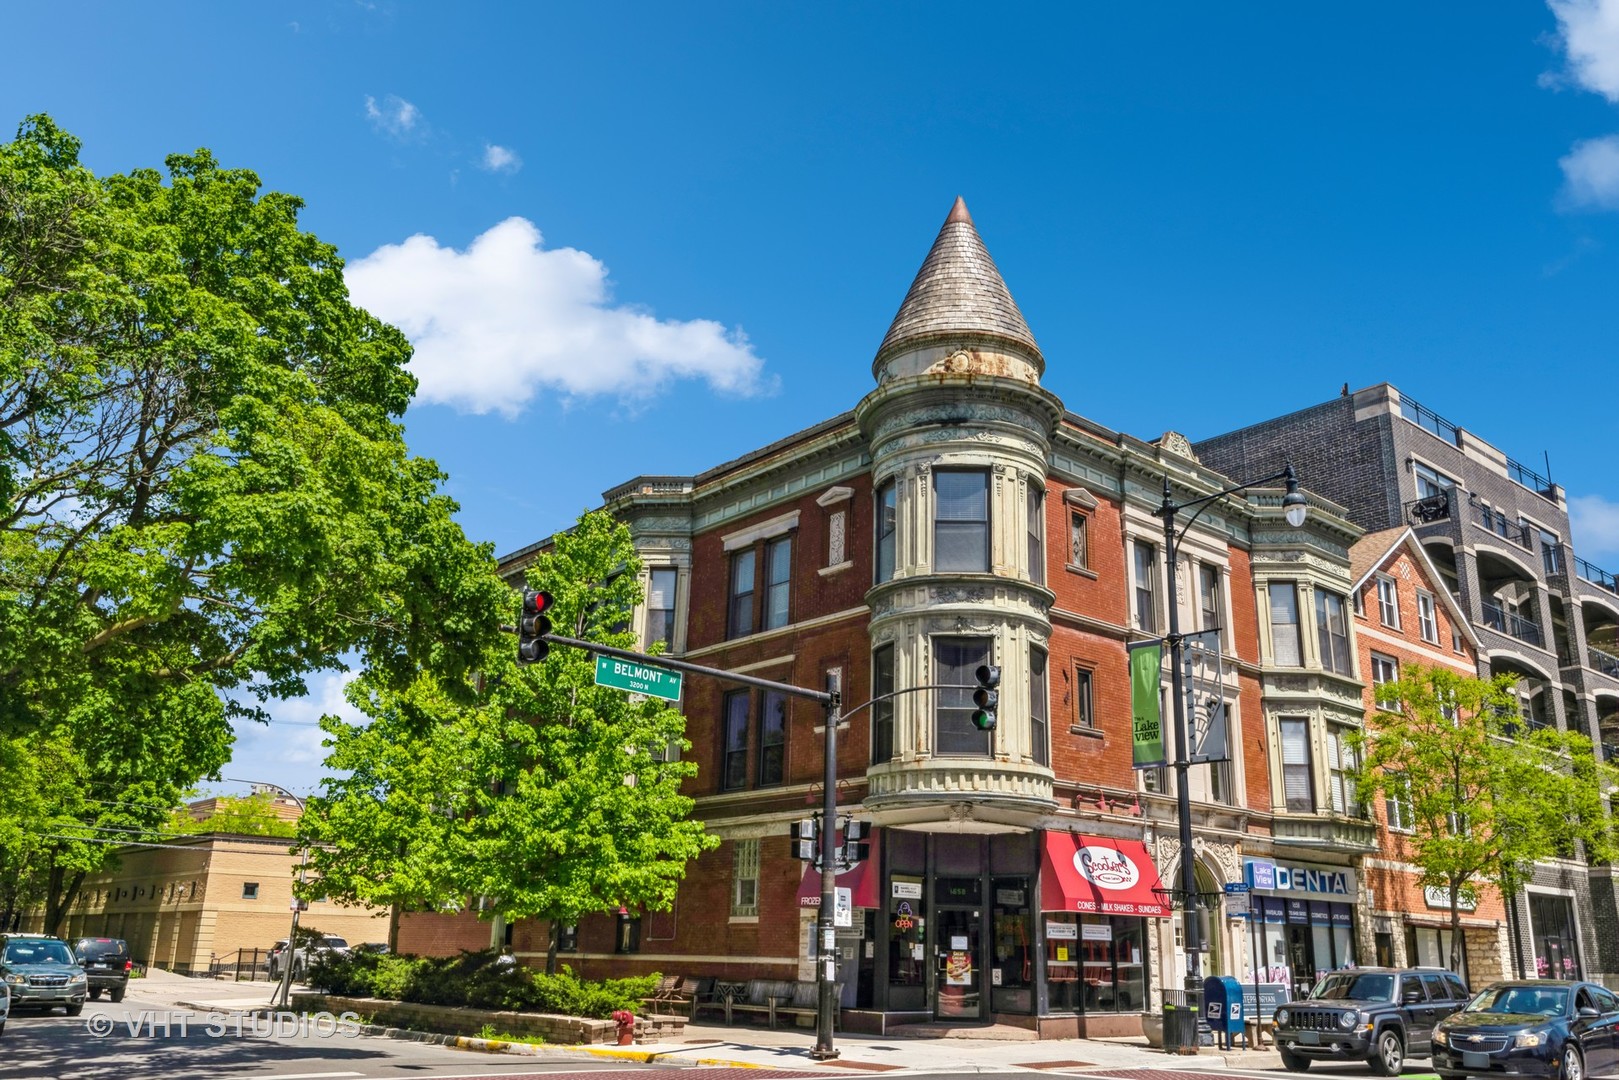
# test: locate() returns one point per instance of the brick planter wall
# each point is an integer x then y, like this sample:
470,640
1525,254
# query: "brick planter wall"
459,1020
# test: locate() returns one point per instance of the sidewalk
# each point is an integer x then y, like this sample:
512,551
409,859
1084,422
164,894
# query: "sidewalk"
996,1049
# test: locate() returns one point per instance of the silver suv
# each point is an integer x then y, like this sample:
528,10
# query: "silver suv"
40,972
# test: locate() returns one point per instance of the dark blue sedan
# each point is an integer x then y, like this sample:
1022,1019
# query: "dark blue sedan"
1548,1027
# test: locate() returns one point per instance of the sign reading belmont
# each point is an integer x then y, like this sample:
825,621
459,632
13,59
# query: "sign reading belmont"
638,678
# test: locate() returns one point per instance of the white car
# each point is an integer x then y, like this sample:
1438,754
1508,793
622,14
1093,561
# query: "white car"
329,945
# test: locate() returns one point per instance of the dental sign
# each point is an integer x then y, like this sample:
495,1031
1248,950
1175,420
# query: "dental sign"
1267,876
1106,868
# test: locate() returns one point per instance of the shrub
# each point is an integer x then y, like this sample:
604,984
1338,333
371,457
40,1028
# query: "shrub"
484,980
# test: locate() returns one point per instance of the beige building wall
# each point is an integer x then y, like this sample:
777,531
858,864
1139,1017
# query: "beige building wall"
202,899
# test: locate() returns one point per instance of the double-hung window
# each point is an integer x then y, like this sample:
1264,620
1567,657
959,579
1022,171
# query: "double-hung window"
779,562
1039,708
1298,786
882,709
743,575
1341,764
745,879
1332,630
961,520
1079,554
1427,618
1084,703
772,738
1037,535
887,521
1284,624
956,662
1211,596
734,767
660,608
1385,670
1146,571
1388,601
1397,804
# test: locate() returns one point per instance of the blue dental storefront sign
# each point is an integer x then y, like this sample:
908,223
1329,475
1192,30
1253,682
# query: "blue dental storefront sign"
1266,876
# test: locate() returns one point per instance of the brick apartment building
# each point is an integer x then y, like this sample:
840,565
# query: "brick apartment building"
1498,534
958,515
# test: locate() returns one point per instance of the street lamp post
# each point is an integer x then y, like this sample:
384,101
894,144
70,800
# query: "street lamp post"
285,991
1294,506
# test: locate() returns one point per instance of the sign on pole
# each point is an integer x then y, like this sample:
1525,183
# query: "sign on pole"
1146,707
842,907
1237,899
638,678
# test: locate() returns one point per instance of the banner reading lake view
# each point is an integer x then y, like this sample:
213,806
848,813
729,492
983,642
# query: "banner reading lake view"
638,678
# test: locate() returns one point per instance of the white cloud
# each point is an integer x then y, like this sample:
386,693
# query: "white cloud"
1594,522
1591,173
495,324
393,115
1588,31
500,158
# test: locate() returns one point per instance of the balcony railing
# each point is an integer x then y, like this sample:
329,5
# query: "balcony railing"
1595,575
1428,420
1495,521
1502,621
1605,662
1529,478
1428,510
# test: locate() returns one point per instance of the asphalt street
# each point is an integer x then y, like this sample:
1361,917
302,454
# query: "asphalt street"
142,1037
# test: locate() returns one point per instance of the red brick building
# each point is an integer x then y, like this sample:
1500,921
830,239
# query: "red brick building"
958,515
1405,615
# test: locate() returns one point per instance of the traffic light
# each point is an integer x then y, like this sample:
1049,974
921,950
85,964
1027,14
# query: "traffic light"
804,834
855,849
533,626
985,698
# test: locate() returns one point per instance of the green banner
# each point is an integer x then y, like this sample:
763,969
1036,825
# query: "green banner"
1146,705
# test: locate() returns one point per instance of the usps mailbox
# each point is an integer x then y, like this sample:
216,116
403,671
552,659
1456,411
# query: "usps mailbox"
1222,1009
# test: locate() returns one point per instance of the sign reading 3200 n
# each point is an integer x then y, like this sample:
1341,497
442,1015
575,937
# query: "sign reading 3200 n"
638,678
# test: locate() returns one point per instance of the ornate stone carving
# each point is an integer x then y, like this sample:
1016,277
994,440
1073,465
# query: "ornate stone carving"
947,594
1175,443
836,532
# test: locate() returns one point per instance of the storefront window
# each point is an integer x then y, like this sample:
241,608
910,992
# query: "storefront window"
1551,920
1095,963
1012,978
907,964
1429,946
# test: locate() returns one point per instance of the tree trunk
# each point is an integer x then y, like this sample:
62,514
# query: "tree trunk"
553,938
1512,928
393,927
1455,927
60,893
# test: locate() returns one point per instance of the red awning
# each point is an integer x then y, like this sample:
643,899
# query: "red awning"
863,880
1098,876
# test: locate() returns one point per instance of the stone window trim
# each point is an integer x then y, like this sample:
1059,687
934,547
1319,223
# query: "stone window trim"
745,879
838,502
765,530
1079,698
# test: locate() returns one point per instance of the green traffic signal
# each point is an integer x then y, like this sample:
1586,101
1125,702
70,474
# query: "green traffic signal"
986,697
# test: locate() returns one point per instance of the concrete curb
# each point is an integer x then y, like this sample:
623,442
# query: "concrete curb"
522,1049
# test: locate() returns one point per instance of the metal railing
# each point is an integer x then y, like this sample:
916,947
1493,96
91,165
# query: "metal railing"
1529,478
1502,621
1497,522
243,965
1428,510
1595,575
1602,661
1429,421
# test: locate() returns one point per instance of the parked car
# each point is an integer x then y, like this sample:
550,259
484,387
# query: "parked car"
304,955
1377,1015
41,973
107,964
380,947
5,1004
271,959
1547,1027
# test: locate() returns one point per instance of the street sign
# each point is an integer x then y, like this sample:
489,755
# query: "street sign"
842,907
1238,902
638,678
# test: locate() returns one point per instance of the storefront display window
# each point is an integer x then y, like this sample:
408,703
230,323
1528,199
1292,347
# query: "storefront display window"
1303,940
1551,921
1095,963
907,932
1429,946
1012,977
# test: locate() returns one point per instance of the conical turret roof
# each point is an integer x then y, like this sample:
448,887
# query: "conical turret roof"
958,293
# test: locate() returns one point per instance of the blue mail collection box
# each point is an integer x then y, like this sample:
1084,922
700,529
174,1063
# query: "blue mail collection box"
1222,1007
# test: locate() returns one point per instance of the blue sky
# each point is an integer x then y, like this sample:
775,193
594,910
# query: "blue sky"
644,238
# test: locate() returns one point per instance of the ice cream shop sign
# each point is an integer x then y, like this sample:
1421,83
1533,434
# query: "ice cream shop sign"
1266,876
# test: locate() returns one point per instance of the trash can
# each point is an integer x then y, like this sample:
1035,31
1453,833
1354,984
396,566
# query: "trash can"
1222,1009
1180,1029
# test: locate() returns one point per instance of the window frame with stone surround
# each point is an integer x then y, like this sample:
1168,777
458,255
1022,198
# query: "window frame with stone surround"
956,705
745,879
882,709
980,526
1294,657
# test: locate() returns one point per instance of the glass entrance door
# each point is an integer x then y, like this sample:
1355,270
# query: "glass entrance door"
958,966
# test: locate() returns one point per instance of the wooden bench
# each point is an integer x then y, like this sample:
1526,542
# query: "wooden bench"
771,998
666,995
806,1002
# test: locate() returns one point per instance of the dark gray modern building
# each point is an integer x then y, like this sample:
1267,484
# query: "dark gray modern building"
1499,533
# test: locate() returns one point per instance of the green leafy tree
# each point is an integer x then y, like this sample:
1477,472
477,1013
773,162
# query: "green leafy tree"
582,809
205,477
252,815
1486,798
388,829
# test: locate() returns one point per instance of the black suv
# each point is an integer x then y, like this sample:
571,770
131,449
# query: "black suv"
107,962
1377,1015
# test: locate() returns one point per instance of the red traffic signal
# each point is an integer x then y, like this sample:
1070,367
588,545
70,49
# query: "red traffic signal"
532,627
